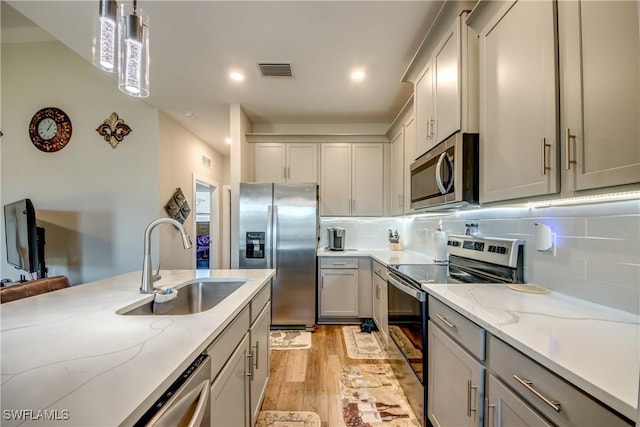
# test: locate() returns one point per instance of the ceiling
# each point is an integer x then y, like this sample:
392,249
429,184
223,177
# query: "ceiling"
195,44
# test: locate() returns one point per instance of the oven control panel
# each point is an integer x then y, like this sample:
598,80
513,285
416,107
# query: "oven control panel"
489,249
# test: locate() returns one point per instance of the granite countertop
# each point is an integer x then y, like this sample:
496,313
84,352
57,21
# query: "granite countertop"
381,255
69,351
597,348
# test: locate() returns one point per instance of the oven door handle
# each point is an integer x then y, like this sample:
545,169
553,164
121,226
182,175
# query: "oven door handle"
409,290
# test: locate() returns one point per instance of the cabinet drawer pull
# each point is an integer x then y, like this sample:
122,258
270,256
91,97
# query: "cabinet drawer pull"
489,411
555,405
567,145
445,321
250,370
255,355
545,168
469,400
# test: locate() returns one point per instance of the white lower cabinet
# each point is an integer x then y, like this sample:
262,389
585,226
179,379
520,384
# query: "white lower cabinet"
505,408
380,298
552,397
230,390
455,382
240,365
259,334
339,293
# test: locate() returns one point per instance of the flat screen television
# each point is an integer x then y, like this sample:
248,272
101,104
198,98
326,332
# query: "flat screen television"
25,241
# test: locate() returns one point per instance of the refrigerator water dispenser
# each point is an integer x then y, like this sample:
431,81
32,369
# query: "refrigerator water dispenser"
255,244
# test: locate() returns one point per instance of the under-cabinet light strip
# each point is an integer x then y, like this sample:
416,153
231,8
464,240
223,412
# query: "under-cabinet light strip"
598,198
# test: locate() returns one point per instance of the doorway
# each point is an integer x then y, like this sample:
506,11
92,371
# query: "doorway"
206,227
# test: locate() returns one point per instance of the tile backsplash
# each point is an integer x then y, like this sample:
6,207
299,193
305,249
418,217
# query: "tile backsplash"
597,255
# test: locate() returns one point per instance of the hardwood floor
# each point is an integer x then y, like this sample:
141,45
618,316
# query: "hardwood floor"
307,380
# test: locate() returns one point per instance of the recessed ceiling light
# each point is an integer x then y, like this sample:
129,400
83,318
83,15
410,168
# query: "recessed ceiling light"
227,140
188,114
357,75
236,75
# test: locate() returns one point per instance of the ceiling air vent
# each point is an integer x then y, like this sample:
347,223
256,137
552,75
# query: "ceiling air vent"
275,69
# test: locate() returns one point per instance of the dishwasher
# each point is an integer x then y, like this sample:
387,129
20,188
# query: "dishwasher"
186,402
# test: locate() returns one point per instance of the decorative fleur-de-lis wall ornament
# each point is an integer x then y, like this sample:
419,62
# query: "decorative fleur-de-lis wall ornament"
113,130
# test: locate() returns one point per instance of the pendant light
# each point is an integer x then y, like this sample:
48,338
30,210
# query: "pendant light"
105,37
133,42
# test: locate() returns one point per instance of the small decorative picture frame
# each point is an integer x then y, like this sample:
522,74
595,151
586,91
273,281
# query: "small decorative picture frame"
177,206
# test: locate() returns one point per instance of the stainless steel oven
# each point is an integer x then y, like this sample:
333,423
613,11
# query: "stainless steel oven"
471,260
446,176
408,316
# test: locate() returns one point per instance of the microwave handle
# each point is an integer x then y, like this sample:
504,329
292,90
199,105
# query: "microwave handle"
439,182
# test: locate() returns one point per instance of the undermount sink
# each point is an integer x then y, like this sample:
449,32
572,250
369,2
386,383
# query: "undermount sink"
193,297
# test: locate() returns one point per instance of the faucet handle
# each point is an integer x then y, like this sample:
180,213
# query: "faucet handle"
157,275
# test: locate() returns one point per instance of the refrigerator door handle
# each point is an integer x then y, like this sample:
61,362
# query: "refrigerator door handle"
275,239
268,237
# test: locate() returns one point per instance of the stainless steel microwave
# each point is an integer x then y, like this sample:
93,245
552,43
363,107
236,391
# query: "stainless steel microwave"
446,177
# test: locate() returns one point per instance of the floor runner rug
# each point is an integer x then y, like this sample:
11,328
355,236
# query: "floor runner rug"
363,345
287,419
371,397
289,340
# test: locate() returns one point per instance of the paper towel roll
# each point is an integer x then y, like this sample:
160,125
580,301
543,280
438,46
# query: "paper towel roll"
440,239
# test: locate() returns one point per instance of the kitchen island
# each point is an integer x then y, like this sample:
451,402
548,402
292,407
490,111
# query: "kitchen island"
69,353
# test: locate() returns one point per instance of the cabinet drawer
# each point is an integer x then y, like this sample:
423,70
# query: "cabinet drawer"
227,341
259,301
338,262
553,397
380,269
467,333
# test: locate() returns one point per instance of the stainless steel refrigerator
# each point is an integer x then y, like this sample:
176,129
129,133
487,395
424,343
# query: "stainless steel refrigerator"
279,229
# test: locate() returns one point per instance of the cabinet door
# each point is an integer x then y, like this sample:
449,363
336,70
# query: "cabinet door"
335,179
302,162
425,112
506,409
456,383
339,293
601,110
409,155
365,288
230,390
397,174
380,304
270,162
367,180
518,109
259,334
446,62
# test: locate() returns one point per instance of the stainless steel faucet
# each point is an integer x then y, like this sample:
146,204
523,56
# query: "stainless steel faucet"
147,271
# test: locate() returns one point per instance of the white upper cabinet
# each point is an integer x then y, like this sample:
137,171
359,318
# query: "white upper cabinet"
351,179
367,180
446,63
286,162
425,111
600,68
519,102
446,90
397,174
335,179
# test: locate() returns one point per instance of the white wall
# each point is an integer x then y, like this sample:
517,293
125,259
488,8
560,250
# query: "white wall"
598,246
180,161
241,168
94,201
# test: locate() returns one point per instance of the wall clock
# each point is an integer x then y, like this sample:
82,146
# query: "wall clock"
50,129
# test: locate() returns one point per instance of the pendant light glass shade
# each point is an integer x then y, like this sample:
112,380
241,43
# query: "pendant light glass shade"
105,36
133,39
